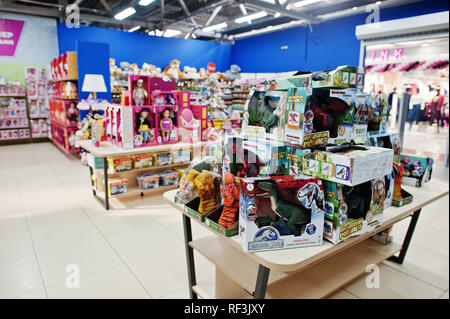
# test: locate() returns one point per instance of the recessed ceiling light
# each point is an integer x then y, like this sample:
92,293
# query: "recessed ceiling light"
125,13
134,29
171,33
378,3
277,15
219,26
187,35
251,17
145,2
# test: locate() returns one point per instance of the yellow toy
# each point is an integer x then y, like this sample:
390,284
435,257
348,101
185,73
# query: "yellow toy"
208,190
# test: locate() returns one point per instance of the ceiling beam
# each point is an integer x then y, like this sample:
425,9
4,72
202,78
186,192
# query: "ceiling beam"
201,10
213,16
261,5
105,5
186,11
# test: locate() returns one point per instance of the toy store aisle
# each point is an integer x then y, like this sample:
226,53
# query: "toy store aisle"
51,226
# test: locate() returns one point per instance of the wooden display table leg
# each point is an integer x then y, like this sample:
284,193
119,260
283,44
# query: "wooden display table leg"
261,282
189,255
412,225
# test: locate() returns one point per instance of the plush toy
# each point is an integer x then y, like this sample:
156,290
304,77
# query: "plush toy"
154,71
134,69
230,193
208,189
233,73
398,176
190,73
202,73
125,67
173,70
145,70
113,69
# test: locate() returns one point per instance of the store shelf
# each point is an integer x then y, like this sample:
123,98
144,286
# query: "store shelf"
145,169
206,289
134,190
63,149
327,276
228,259
65,98
63,80
15,96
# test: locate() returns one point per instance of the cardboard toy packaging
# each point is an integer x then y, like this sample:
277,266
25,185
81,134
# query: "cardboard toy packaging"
253,158
360,115
342,77
349,165
352,210
280,212
319,116
294,160
303,80
264,115
378,114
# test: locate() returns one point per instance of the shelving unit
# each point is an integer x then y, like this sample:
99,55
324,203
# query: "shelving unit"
20,132
305,272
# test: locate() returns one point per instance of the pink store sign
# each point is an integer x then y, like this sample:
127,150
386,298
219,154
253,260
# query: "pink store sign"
10,31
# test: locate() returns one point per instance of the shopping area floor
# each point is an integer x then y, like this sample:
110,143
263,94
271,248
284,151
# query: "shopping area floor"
49,219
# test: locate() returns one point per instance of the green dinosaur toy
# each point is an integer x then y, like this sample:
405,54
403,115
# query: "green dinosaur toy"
266,118
290,212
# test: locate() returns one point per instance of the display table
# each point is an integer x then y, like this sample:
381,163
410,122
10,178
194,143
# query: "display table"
107,149
306,272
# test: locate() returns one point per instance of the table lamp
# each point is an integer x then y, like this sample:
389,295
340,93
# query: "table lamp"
93,83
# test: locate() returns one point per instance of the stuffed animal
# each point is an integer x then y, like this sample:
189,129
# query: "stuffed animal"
145,70
190,73
234,72
208,190
154,71
134,69
125,67
173,70
230,193
202,73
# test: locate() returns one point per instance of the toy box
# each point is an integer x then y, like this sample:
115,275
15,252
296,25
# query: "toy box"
119,164
298,81
416,168
294,160
139,90
264,115
318,116
349,165
352,210
65,137
162,159
212,221
117,186
252,158
360,115
378,114
169,177
201,114
298,217
342,77
181,156
167,123
143,160
148,181
145,126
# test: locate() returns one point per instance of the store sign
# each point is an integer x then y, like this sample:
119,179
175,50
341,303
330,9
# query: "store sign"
385,54
10,31
211,67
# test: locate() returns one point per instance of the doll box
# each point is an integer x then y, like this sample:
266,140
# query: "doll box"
352,211
301,202
343,77
349,165
212,221
318,117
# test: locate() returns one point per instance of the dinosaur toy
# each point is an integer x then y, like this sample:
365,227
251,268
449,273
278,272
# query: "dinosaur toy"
312,193
207,189
291,213
261,112
356,201
244,162
230,193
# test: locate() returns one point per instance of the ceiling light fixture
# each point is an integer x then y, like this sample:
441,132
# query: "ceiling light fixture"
243,10
145,2
171,33
378,3
187,35
305,3
134,28
355,8
425,44
219,26
125,13
277,15
194,36
251,17
157,33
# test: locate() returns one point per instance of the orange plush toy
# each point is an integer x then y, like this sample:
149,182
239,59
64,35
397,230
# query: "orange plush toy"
173,70
230,202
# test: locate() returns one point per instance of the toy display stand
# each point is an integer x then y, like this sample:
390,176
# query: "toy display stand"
102,175
306,272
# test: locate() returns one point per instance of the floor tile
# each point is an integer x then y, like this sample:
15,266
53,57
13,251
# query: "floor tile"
183,293
112,283
40,294
19,277
342,294
432,239
394,285
116,222
15,246
444,295
441,222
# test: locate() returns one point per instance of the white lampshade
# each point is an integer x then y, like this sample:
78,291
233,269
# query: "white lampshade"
94,83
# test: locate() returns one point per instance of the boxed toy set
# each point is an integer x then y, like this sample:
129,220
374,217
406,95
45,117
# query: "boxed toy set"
416,168
378,114
119,164
117,186
342,77
148,181
143,160
348,165
353,210
280,212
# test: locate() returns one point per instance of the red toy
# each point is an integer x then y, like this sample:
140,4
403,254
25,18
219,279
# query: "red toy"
230,193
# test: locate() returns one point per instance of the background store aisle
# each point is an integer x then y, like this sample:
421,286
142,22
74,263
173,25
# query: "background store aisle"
49,218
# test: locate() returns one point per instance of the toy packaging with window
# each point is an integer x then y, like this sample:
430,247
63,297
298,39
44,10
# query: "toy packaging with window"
348,165
352,210
119,164
264,115
360,115
181,156
252,158
162,159
148,181
169,177
318,116
280,212
416,168
117,186
342,77
167,117
143,160
145,127
378,114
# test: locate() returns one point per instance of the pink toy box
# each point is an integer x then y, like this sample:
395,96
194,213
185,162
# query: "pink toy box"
139,89
145,126
167,111
158,84
201,114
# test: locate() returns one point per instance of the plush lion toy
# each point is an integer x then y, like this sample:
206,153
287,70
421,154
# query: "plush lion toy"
173,70
206,186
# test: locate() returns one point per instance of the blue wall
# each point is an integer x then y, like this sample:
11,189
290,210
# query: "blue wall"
93,58
329,45
139,48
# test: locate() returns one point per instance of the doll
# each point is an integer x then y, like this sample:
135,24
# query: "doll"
139,93
166,124
72,112
143,125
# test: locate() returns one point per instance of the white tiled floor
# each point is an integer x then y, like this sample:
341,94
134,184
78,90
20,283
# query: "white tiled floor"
49,219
